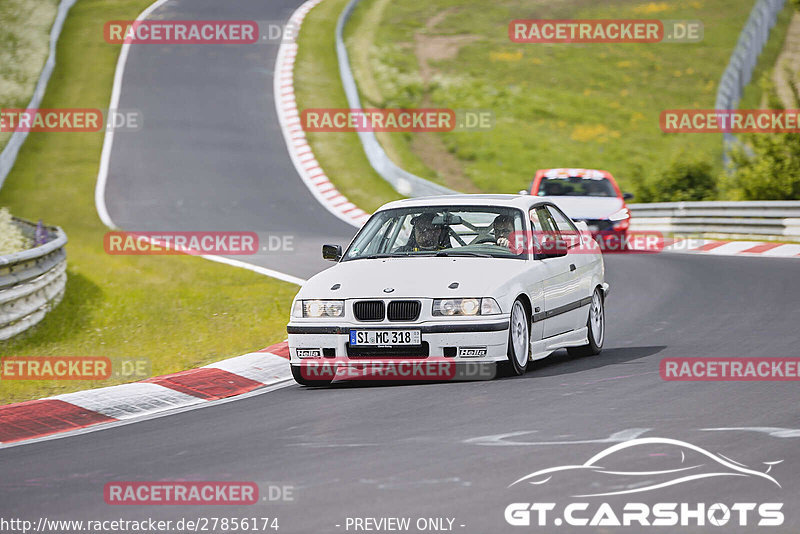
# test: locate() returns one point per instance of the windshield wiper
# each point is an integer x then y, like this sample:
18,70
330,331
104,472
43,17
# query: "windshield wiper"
382,255
444,253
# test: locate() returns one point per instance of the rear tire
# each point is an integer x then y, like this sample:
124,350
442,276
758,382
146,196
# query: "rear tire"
595,326
297,373
519,339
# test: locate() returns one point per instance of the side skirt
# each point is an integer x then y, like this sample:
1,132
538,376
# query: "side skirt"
576,338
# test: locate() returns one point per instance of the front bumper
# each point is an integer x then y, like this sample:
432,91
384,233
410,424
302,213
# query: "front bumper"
459,340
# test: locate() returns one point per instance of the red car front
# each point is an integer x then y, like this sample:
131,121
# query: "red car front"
588,195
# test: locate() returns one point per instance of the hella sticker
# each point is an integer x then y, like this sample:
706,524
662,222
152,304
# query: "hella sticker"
308,353
466,352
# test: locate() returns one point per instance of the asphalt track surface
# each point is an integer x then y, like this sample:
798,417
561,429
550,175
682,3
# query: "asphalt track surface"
210,155
426,450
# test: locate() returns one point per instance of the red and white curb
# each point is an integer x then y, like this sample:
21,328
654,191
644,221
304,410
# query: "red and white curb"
258,370
82,409
300,152
735,248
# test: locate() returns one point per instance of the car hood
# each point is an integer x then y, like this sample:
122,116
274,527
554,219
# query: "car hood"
413,277
587,207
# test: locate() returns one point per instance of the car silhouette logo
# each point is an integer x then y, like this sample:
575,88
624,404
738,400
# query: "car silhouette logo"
612,466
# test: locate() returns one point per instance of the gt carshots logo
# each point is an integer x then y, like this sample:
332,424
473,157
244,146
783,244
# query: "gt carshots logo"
614,464
582,514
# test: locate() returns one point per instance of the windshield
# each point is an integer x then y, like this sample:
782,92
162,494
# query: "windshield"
478,231
576,186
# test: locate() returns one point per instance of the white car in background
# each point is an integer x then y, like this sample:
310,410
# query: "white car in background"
451,277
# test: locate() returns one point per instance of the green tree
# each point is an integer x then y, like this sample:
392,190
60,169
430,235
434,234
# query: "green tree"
767,165
688,177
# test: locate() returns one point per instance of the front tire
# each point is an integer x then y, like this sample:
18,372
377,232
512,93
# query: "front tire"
595,326
297,373
519,338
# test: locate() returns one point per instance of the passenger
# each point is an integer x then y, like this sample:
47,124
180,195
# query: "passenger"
425,236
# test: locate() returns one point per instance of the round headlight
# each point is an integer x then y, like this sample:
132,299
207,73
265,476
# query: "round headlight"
335,308
314,308
470,306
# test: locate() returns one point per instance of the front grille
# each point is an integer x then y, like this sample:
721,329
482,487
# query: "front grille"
411,351
404,310
369,310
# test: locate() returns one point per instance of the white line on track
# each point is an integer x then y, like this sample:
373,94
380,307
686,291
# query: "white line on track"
108,140
102,212
105,157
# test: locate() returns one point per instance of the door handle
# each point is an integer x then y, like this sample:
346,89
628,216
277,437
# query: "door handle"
572,267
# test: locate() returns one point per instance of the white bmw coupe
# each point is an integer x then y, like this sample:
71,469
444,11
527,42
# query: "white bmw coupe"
461,278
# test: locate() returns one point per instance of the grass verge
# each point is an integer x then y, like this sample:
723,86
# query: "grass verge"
571,105
177,312
24,46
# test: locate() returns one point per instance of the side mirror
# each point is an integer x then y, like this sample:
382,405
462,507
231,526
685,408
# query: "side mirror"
332,252
627,196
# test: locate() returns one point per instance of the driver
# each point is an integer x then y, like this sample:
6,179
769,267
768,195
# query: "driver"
503,225
426,235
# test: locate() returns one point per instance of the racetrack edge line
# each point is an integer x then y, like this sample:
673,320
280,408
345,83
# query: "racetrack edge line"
105,158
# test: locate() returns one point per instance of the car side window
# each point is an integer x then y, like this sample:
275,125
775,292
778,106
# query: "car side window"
562,222
546,222
565,227
542,226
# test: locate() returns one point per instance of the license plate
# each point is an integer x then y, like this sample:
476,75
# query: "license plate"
385,338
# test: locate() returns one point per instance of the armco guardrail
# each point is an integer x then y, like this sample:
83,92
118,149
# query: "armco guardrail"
769,220
9,154
32,281
403,181
745,56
